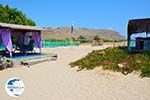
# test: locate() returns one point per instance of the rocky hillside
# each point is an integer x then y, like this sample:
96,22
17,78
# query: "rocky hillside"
64,32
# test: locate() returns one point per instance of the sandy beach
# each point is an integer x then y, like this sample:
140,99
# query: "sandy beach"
56,80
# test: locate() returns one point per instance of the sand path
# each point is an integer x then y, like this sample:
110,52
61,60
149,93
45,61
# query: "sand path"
55,80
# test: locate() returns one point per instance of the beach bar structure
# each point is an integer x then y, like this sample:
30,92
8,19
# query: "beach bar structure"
141,42
13,34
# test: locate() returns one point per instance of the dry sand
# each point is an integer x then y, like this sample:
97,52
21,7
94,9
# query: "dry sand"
55,80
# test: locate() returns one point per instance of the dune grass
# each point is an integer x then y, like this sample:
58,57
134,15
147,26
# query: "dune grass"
110,58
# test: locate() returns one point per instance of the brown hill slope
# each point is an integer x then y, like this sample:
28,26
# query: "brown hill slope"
64,32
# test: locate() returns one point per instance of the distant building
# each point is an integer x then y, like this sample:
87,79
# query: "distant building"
140,43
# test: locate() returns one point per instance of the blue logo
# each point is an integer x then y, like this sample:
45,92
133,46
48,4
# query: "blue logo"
14,87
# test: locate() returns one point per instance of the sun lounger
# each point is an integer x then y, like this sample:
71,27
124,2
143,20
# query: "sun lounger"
25,48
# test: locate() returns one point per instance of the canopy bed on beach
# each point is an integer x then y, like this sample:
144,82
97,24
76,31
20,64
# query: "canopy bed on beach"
19,38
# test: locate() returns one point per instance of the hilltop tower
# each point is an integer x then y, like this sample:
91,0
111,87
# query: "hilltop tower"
72,28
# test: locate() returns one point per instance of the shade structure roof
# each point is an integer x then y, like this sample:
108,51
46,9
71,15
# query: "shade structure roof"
20,27
139,26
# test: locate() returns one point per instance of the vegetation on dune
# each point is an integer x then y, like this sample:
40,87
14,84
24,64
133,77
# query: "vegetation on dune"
116,59
14,16
83,39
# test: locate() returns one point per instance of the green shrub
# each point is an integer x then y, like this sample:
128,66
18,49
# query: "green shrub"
97,38
109,59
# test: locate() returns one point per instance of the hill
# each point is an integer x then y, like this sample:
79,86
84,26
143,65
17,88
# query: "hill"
64,32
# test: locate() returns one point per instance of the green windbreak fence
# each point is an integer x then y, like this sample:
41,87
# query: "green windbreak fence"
50,44
2,47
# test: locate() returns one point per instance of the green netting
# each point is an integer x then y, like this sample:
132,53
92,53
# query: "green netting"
49,44
2,47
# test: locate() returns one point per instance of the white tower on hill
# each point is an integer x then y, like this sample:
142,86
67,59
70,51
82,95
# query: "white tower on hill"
72,28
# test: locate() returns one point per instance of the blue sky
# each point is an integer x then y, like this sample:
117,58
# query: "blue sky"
103,14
